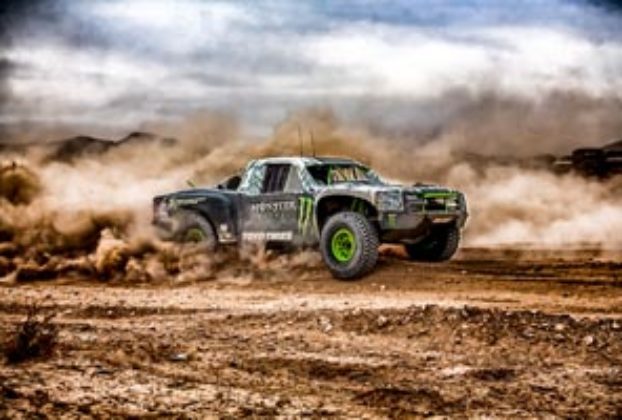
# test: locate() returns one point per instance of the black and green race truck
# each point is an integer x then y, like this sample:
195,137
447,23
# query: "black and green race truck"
337,205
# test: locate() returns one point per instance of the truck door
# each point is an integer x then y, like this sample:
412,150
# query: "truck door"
272,213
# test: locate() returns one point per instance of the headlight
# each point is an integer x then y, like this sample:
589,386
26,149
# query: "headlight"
160,209
452,203
463,202
390,200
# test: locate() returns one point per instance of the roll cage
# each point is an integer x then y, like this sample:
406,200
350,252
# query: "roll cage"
265,177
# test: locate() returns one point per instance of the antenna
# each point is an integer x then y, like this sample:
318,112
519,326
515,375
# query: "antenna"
312,142
300,139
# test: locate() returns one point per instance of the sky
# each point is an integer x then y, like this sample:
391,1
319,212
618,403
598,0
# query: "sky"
109,66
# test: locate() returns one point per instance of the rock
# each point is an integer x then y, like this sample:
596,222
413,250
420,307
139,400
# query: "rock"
559,327
325,324
179,357
382,321
615,326
528,333
588,340
431,356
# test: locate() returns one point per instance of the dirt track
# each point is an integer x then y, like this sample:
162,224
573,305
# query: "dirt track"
502,333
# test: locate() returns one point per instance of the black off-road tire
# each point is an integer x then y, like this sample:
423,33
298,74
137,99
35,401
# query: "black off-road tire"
364,255
440,245
191,227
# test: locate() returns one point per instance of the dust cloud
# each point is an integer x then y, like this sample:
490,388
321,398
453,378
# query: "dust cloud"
496,125
90,215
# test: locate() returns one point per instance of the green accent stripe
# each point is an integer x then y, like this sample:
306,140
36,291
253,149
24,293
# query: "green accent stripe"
308,215
439,194
305,213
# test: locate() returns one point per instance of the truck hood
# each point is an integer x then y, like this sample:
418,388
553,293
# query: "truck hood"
372,189
193,194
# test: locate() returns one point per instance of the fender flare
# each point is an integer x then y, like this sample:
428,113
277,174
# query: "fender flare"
218,209
360,197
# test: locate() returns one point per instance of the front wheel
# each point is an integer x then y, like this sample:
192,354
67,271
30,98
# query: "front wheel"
440,245
349,245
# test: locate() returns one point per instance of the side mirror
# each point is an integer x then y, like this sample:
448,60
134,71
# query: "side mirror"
234,182
231,183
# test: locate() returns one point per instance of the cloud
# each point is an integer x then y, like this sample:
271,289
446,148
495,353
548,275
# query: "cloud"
120,63
521,61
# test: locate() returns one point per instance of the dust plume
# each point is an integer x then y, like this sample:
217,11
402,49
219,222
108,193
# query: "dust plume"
90,215
493,124
512,206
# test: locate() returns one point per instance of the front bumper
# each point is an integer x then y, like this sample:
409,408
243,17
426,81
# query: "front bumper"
421,214
396,227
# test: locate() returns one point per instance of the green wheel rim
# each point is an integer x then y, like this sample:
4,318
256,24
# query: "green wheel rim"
343,245
194,235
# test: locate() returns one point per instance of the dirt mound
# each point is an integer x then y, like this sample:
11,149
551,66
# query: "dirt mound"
404,402
69,150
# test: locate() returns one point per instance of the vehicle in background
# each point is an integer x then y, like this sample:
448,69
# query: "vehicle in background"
599,162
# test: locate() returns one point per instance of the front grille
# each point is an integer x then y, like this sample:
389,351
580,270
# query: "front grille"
413,202
416,203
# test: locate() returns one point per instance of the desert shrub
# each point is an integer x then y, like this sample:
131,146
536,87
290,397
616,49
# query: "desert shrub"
34,338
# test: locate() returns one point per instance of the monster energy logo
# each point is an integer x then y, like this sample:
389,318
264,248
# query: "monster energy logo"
305,213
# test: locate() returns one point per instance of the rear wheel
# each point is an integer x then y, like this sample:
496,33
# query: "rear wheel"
440,245
192,228
349,245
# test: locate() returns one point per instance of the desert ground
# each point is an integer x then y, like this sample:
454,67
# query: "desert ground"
501,333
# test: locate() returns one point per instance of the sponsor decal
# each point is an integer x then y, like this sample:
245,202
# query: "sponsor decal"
267,236
305,214
274,207
225,234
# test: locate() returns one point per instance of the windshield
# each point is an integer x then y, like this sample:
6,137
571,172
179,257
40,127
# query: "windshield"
332,174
